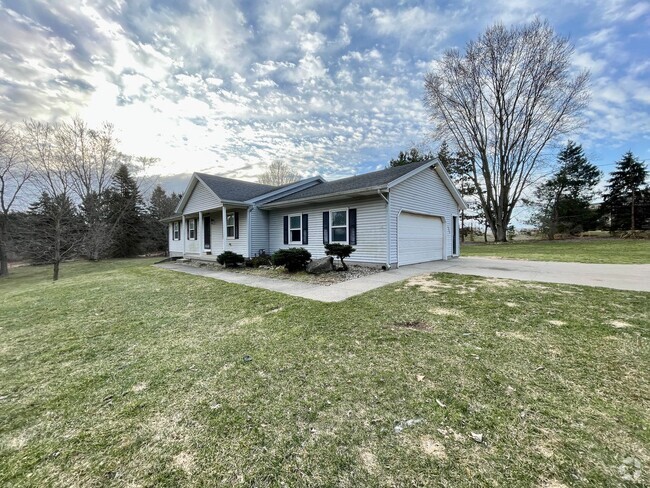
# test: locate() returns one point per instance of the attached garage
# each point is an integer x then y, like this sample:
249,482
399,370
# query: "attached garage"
420,238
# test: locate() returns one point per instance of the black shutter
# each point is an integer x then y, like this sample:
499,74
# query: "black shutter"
352,215
305,228
326,227
236,225
286,229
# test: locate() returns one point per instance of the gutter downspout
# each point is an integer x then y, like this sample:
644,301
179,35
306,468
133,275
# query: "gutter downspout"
388,235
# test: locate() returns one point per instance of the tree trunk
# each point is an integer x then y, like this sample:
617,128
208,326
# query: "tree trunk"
4,264
57,252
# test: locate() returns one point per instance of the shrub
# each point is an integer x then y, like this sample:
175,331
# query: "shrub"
257,261
293,259
340,251
229,258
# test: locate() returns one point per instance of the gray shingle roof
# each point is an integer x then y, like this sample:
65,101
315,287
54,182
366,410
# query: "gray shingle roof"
234,190
368,180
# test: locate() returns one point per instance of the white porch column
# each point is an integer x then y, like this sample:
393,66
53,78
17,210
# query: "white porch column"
200,233
224,227
183,233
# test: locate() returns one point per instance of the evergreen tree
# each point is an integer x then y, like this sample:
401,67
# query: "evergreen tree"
160,206
459,166
627,199
96,213
412,156
563,201
125,204
54,231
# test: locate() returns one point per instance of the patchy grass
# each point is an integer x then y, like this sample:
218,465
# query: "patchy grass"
604,251
122,374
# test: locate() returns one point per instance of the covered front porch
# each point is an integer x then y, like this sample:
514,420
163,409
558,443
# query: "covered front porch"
208,233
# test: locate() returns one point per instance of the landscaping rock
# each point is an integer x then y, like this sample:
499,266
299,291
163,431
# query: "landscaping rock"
322,265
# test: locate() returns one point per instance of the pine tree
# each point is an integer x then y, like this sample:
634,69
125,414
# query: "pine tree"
627,198
160,206
54,232
125,203
411,156
459,166
563,201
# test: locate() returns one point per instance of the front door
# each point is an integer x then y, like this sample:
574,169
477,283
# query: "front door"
206,233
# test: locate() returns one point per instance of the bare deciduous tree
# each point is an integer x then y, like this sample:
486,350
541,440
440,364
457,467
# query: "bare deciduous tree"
14,174
278,173
92,158
502,101
45,149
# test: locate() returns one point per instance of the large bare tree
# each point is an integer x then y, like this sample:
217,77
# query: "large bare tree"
278,173
92,158
45,148
14,174
502,101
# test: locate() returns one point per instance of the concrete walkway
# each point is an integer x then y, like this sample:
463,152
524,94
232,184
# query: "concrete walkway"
635,277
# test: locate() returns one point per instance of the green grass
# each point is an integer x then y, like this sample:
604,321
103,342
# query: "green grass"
604,251
122,374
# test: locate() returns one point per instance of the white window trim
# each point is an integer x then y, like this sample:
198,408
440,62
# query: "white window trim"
233,225
347,226
191,230
176,231
299,241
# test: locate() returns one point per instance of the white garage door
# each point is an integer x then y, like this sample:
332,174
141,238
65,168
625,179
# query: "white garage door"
419,238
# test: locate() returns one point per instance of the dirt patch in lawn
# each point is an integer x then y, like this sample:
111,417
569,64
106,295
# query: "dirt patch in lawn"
433,448
445,311
620,324
426,283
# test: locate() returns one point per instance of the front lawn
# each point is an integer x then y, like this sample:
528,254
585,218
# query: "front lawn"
604,251
123,374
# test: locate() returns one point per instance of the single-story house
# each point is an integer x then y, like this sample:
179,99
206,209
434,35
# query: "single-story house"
393,217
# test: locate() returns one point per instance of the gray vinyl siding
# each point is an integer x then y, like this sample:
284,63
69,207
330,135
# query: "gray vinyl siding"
422,193
259,230
371,227
201,198
192,246
175,247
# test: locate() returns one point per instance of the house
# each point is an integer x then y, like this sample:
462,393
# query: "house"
393,217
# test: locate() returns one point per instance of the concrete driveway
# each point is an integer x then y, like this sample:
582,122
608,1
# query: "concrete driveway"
635,277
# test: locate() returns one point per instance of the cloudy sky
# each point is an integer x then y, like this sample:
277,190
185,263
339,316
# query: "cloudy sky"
334,87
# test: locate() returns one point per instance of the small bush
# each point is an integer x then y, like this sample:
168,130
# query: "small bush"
230,259
257,261
340,251
293,259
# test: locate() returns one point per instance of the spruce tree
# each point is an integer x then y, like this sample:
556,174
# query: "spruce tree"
125,203
627,199
564,201
54,232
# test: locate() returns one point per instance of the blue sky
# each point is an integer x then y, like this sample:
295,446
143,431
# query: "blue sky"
332,87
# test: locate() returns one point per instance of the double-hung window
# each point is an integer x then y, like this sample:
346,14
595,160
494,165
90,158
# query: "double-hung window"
339,226
295,229
230,225
176,231
191,229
